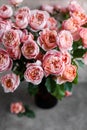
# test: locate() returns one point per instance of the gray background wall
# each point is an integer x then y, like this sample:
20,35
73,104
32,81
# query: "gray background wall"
35,3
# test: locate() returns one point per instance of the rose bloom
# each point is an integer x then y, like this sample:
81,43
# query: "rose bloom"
83,35
4,26
6,11
10,82
30,49
27,37
14,53
34,73
67,93
21,20
52,63
5,61
38,20
51,23
47,8
17,108
64,40
47,39
11,39
85,58
66,57
15,2
68,74
25,10
80,17
75,7
72,25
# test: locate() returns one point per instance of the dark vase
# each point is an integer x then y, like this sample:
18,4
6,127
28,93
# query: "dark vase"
43,98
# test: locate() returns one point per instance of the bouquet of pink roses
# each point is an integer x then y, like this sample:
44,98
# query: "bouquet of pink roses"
47,43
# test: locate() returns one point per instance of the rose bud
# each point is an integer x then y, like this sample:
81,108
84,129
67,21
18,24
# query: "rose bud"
10,82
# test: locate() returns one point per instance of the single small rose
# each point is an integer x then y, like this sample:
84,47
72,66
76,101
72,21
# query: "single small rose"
15,2
52,63
67,93
21,20
47,39
64,40
68,74
30,49
6,11
11,39
17,107
14,53
4,26
34,73
5,61
10,82
38,20
47,8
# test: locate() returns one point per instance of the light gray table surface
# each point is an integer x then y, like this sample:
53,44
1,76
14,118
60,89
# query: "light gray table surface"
68,114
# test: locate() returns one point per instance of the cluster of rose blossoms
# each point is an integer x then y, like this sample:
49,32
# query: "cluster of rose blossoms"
48,54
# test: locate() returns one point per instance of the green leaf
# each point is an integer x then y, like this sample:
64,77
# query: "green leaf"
75,81
68,86
78,53
29,113
32,89
77,44
50,84
80,63
55,89
20,114
59,92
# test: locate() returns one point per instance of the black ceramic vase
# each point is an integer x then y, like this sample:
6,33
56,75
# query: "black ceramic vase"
43,98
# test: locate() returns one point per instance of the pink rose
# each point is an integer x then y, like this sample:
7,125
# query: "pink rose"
64,40
75,7
52,63
30,49
71,25
11,39
4,26
47,8
47,39
17,108
68,74
10,82
83,35
5,61
67,93
34,73
38,20
25,10
21,20
51,23
15,2
85,58
14,53
6,11
27,37
66,57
